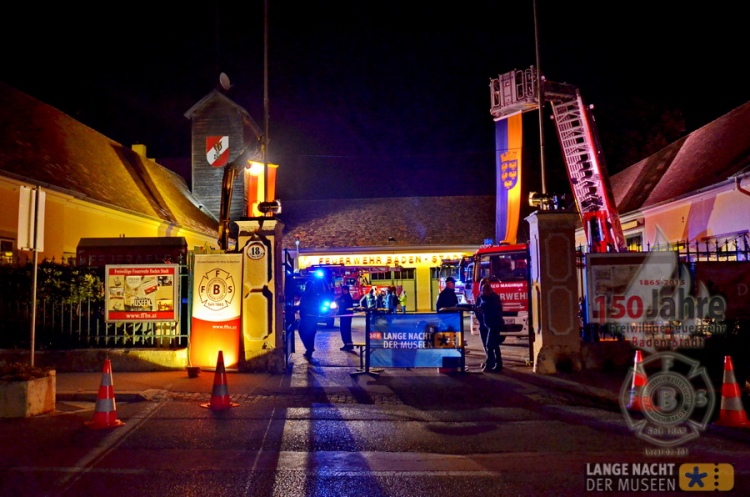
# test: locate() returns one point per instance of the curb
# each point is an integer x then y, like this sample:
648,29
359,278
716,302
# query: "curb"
92,396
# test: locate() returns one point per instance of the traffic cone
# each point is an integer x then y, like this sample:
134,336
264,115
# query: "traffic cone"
220,393
637,401
105,412
732,413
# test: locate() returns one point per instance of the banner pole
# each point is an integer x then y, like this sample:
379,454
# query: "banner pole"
34,280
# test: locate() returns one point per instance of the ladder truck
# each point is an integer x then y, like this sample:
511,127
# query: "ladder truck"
516,91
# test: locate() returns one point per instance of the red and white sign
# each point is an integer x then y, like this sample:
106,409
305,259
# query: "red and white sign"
217,150
142,293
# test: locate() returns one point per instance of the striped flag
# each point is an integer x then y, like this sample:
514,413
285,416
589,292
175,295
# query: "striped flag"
217,150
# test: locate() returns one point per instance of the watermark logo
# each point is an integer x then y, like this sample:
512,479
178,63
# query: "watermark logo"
674,398
658,477
706,477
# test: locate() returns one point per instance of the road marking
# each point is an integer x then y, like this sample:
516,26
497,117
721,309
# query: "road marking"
108,444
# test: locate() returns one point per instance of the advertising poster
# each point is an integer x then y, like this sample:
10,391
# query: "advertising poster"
216,309
142,293
630,287
649,299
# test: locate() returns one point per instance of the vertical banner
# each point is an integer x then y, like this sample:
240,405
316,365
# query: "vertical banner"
508,145
216,309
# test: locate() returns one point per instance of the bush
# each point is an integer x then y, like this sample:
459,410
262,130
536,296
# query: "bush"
17,371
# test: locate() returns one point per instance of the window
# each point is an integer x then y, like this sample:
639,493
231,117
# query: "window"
634,242
6,250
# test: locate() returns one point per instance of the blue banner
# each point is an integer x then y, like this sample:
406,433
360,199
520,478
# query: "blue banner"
414,340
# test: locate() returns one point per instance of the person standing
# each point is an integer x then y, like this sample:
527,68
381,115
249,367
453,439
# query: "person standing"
491,310
402,301
345,309
371,299
480,319
391,301
309,307
448,297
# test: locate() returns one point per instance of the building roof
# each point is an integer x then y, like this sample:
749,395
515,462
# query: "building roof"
409,221
217,96
51,149
705,157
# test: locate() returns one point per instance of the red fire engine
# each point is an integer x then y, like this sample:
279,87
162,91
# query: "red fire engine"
505,268
357,278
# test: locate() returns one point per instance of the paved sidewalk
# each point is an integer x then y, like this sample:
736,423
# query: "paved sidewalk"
331,370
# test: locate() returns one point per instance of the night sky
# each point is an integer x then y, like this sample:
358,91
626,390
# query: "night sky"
372,99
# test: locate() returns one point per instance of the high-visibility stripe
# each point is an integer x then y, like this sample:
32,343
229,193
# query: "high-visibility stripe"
219,390
731,404
105,405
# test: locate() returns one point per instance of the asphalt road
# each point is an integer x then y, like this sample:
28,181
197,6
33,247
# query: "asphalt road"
321,431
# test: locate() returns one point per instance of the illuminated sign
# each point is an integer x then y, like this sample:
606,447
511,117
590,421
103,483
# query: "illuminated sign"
216,309
430,259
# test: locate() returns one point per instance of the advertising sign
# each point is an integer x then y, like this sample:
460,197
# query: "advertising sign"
142,293
629,287
216,309
649,299
414,340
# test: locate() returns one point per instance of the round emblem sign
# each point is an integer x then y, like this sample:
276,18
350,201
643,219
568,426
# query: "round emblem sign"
256,250
216,289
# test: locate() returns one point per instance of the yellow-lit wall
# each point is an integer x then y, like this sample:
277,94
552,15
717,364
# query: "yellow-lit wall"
719,211
68,219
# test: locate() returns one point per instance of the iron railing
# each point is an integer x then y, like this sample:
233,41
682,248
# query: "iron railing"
65,321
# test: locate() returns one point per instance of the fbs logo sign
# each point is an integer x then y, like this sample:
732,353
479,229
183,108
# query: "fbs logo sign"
706,477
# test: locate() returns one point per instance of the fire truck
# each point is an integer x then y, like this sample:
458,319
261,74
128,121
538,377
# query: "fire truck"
357,278
515,92
505,265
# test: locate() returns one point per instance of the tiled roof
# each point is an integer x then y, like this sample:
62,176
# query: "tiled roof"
49,148
705,157
411,221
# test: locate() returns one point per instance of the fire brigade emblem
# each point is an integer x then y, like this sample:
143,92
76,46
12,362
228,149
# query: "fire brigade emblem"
216,289
217,150
509,169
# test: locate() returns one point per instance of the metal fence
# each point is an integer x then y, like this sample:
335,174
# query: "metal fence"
692,255
67,319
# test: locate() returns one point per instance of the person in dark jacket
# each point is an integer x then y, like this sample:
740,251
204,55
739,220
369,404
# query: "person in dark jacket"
345,309
491,311
309,309
391,300
448,297
480,319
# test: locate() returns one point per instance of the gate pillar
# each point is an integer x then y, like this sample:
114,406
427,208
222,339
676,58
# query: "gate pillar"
262,337
554,291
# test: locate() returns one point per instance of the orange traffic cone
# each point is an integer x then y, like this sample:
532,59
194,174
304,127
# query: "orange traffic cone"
637,401
732,413
105,412
220,392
